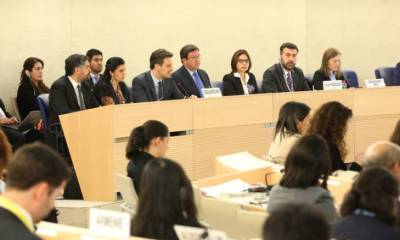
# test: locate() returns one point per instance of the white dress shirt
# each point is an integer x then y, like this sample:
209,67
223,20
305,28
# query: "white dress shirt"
75,86
244,83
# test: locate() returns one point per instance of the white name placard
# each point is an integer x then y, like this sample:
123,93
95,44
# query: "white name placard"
375,83
110,223
211,92
333,85
190,233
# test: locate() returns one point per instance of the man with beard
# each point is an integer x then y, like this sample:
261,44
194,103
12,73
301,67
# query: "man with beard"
95,58
285,76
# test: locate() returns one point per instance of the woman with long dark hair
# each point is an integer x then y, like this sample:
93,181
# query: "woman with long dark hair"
166,199
111,89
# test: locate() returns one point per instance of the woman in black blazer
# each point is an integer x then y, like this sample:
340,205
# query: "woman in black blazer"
240,81
30,86
112,89
330,69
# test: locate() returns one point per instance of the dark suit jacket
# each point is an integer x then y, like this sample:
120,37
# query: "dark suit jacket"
62,98
11,228
233,85
357,227
2,106
26,99
337,162
105,89
320,77
143,89
274,81
90,83
185,82
396,80
136,164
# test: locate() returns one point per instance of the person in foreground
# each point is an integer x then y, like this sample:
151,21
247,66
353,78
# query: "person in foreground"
369,209
296,222
305,179
166,199
36,176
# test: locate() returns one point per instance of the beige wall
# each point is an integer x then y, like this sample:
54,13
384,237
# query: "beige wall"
366,31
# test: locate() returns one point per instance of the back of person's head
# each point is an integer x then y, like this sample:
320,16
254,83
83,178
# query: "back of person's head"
330,121
166,197
382,154
296,222
93,52
375,190
5,151
328,55
307,164
74,61
395,137
141,138
111,65
291,115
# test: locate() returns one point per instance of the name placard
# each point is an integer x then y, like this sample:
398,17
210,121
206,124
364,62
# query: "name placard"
211,92
333,85
375,83
110,223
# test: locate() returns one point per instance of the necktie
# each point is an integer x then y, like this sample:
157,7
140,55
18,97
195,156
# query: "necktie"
80,96
160,91
289,82
95,79
198,82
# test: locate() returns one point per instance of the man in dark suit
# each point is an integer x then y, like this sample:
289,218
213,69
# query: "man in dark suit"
68,94
156,84
95,58
190,79
285,76
36,177
15,137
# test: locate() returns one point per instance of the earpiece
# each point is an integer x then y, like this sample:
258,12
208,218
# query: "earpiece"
27,73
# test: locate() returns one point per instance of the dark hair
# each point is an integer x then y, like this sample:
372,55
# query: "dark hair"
74,61
330,121
166,198
328,55
289,115
5,151
35,163
141,136
187,49
93,52
307,163
288,45
111,65
29,64
395,137
235,59
158,56
375,190
296,222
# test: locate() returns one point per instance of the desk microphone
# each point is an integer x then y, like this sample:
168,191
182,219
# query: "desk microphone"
182,89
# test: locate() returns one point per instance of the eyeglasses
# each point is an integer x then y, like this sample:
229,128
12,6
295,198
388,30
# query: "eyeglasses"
195,58
242,61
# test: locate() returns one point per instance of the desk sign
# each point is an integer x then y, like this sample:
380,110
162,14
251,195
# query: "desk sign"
375,83
211,92
110,223
333,85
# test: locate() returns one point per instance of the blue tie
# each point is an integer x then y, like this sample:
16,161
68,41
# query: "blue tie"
198,82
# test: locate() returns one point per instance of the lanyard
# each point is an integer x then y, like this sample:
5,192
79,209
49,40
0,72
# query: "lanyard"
16,210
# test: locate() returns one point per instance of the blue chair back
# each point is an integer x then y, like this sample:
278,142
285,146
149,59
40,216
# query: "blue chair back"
351,77
387,73
43,102
218,84
310,80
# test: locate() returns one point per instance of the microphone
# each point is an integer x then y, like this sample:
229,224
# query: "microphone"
182,89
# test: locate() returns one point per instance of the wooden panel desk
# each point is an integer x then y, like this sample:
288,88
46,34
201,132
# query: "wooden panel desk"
97,138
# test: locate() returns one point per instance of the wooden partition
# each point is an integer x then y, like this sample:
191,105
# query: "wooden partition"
97,138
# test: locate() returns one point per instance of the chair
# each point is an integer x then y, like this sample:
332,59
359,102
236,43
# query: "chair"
127,189
310,80
218,84
251,223
43,102
351,77
14,105
387,73
259,84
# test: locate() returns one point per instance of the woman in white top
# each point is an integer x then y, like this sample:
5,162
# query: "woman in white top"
292,123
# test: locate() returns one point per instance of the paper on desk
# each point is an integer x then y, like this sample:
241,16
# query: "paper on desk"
244,161
232,187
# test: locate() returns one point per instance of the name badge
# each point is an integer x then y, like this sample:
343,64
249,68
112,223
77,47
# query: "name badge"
211,92
333,85
375,83
110,223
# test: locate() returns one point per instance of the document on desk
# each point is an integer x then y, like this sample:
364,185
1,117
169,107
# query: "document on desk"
234,187
245,161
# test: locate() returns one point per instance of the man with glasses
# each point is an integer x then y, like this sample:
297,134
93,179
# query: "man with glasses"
190,79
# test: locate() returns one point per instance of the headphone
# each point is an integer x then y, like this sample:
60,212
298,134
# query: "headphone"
27,73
